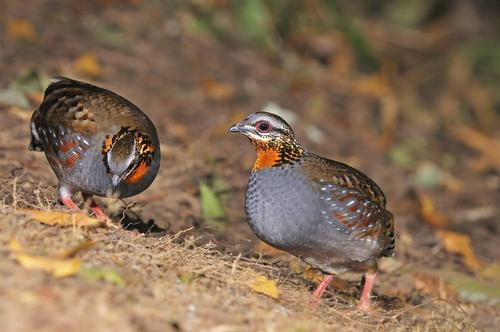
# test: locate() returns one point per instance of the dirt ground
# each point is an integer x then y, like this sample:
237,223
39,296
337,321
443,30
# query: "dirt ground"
172,270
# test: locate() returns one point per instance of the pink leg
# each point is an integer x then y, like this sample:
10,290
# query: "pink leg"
364,301
320,289
69,203
99,213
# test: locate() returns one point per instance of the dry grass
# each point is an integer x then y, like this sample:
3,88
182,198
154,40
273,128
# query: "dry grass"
171,283
179,282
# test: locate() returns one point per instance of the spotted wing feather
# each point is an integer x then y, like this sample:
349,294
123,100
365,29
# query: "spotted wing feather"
355,203
64,149
360,218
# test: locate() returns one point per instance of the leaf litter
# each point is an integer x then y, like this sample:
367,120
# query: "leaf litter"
59,267
415,95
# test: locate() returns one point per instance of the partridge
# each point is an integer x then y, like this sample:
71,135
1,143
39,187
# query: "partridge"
327,213
95,141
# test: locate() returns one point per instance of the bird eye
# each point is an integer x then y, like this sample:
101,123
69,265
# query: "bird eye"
263,126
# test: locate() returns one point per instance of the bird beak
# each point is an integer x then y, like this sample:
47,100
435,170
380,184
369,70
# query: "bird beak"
236,128
241,127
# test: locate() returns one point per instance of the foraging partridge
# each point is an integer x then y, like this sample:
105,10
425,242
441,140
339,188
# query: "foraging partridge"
325,212
96,142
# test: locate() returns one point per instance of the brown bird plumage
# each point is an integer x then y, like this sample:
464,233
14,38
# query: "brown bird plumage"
96,141
323,211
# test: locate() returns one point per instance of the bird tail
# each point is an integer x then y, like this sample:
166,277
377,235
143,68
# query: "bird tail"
35,144
390,239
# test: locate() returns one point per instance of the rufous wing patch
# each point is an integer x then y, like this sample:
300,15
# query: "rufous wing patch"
138,173
71,160
66,146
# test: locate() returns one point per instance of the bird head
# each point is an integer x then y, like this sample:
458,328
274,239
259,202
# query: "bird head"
127,156
273,139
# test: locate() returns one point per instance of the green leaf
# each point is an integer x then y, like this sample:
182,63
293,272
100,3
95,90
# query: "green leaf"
110,36
30,81
366,59
428,175
470,288
101,273
14,97
475,290
254,21
211,206
409,13
221,188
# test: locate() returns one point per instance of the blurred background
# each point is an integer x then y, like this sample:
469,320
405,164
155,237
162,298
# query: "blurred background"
406,91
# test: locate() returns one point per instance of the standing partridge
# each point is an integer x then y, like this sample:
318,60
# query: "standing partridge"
325,212
96,142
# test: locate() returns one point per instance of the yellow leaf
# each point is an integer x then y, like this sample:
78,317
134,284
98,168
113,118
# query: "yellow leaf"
375,86
58,267
62,218
458,243
20,29
87,64
265,249
429,212
216,90
491,272
264,286
486,145
82,246
312,275
433,285
22,114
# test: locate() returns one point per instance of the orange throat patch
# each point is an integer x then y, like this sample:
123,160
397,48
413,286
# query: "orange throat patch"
266,159
138,173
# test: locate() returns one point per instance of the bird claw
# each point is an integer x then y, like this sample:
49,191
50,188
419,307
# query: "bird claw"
365,306
367,310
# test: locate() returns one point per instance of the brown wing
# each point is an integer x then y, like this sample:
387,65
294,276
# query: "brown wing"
85,108
354,203
322,169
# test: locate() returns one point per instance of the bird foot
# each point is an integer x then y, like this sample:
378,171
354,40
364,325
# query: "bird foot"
68,202
364,306
101,215
98,211
320,290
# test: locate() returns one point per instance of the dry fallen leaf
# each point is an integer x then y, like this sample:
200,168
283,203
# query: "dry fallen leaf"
315,276
58,267
62,218
82,246
486,145
434,286
216,90
491,272
458,243
264,286
265,249
21,113
376,86
429,212
35,98
482,102
390,265
20,29
87,64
